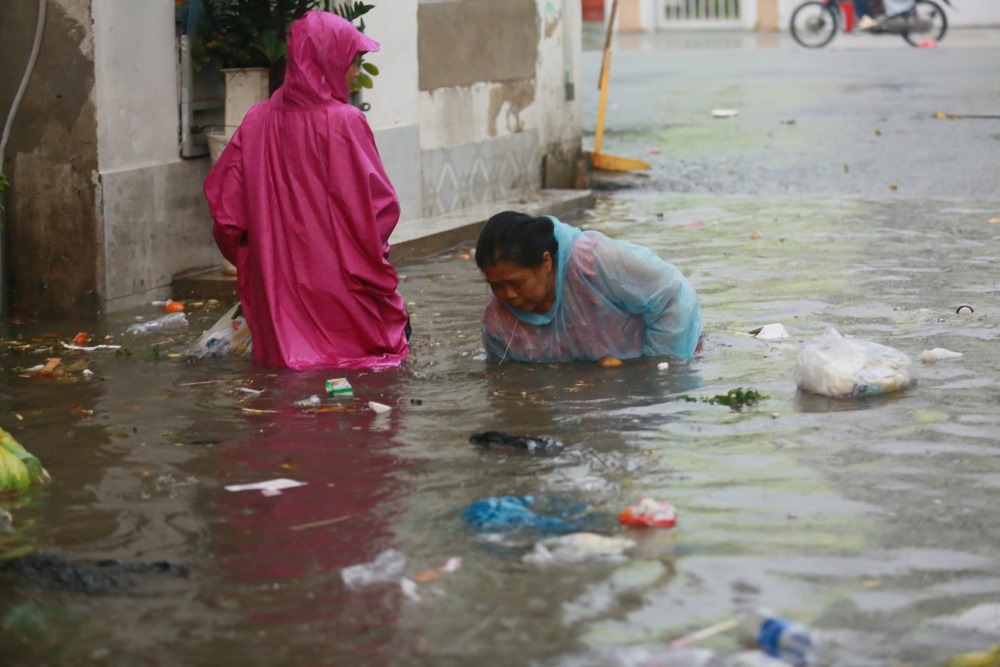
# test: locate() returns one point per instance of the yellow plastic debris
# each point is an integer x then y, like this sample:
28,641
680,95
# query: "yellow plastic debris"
19,469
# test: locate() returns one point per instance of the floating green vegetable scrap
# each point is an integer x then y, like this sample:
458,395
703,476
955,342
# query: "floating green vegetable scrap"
736,399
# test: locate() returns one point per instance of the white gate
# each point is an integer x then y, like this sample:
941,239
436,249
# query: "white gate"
698,14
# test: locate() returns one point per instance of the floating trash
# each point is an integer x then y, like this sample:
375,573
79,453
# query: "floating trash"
770,332
649,512
311,402
19,468
578,547
841,367
938,354
271,487
511,513
387,566
502,439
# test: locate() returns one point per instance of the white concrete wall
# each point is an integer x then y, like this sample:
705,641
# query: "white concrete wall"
557,73
152,218
395,98
395,95
136,83
462,114
973,13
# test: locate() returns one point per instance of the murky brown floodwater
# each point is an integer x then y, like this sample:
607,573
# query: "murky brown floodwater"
870,520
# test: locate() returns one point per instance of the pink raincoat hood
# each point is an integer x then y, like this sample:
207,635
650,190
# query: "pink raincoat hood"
304,208
321,47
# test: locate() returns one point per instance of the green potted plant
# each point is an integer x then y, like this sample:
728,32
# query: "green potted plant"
242,34
248,39
355,12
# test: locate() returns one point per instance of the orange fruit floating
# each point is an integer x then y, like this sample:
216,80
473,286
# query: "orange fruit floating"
80,339
174,307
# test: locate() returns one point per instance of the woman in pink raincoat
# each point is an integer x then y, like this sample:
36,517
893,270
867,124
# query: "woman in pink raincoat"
304,209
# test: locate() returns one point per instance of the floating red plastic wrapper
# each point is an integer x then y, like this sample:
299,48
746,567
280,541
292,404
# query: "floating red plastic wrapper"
81,339
649,512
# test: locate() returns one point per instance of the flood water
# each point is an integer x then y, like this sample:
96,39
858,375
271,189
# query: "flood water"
874,521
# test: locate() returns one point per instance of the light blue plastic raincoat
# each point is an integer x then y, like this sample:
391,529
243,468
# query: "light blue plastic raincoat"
613,298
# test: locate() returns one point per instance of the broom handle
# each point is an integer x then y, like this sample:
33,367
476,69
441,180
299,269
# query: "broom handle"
602,83
607,35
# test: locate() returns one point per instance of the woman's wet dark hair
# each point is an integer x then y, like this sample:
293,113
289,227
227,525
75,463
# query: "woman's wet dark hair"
517,238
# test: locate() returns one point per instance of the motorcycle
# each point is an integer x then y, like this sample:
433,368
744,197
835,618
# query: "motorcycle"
815,23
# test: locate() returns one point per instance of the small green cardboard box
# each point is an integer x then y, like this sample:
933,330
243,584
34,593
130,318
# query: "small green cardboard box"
339,388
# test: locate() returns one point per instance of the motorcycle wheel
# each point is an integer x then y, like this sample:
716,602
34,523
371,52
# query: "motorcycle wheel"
929,12
813,24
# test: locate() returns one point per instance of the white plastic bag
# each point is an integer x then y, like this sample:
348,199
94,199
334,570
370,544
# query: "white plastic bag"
578,547
387,566
840,367
229,336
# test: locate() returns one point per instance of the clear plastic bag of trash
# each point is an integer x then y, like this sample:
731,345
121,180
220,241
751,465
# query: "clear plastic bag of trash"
841,367
230,335
387,566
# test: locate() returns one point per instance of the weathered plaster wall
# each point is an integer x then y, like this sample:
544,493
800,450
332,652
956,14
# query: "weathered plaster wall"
153,222
558,71
498,113
476,70
136,83
394,114
51,161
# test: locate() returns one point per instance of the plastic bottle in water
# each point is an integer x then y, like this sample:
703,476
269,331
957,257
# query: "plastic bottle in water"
791,642
168,322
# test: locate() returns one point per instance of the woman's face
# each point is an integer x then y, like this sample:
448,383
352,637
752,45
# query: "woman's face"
531,289
353,71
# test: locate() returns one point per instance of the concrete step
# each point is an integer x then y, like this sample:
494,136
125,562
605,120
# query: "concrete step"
412,239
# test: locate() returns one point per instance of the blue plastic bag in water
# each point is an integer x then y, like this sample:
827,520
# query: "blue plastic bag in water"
509,513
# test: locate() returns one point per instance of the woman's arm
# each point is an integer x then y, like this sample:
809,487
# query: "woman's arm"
227,199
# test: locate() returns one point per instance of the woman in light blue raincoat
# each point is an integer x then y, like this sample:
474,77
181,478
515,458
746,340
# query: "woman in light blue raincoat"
562,294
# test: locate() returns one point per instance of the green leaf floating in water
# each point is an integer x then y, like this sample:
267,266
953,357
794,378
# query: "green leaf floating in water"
736,399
